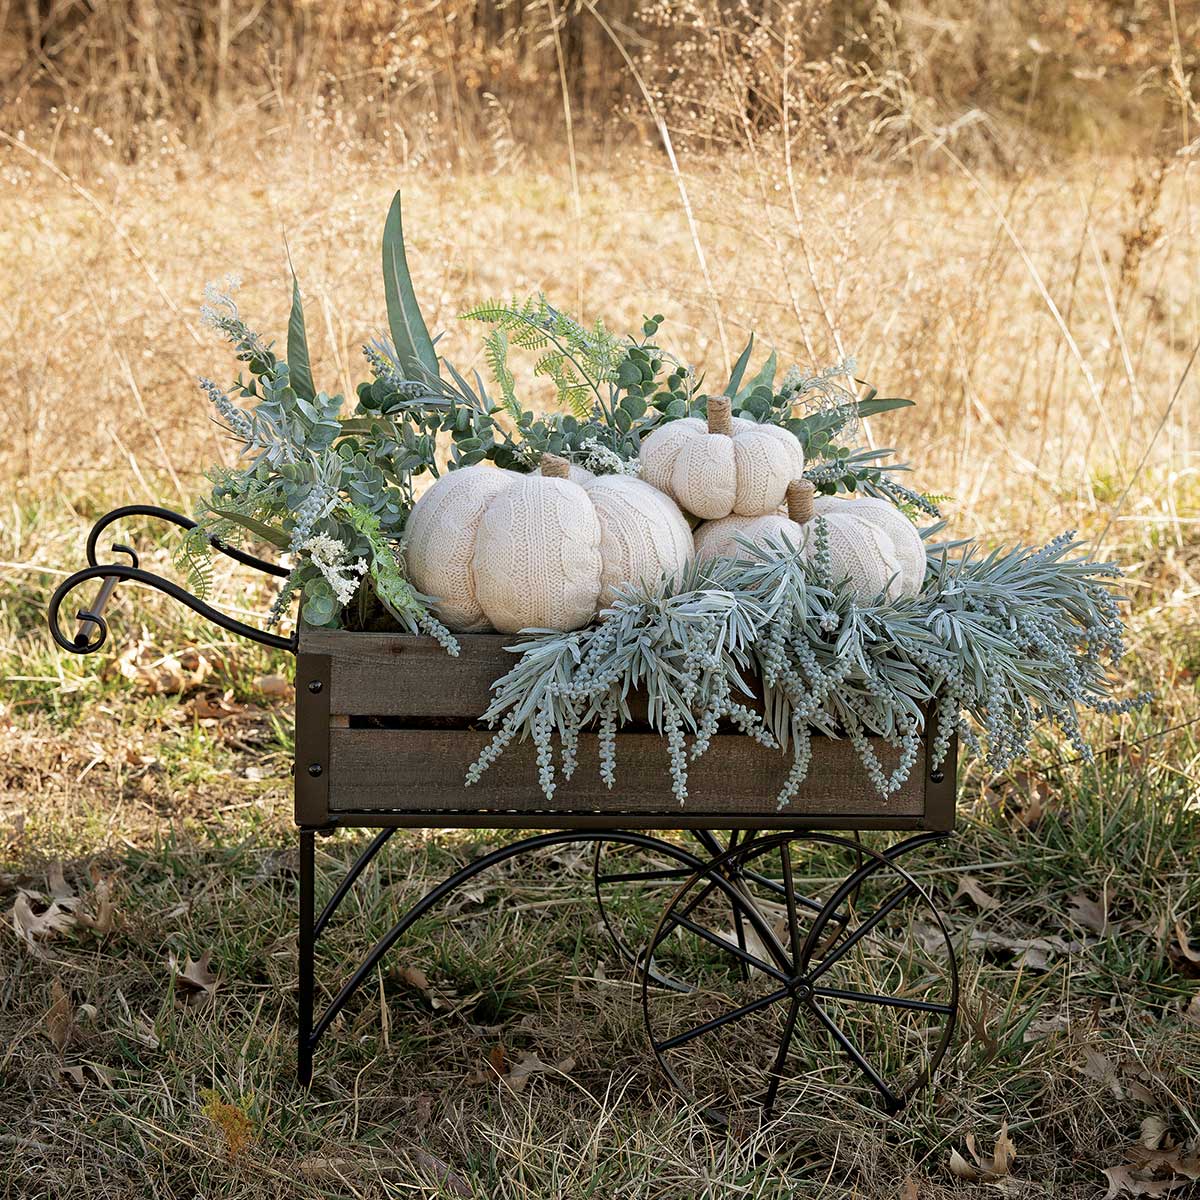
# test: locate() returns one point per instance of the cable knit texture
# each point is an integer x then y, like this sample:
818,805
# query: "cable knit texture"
643,535
440,542
718,539
500,550
874,545
714,474
871,543
537,557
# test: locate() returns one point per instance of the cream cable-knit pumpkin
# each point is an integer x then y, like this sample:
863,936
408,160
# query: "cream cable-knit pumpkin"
871,542
499,550
722,466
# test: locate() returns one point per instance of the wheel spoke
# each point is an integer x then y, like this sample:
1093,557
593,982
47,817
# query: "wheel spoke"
704,893
855,1055
780,1058
638,876
888,1001
893,901
734,1015
717,940
789,895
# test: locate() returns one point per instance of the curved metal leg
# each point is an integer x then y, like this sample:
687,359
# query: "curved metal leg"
311,1031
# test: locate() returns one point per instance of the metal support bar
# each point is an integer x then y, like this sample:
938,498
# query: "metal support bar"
307,946
310,1031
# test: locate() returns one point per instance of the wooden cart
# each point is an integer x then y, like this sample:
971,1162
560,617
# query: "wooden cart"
826,958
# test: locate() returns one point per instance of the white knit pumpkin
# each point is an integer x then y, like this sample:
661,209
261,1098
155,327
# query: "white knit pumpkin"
722,466
499,550
719,539
872,544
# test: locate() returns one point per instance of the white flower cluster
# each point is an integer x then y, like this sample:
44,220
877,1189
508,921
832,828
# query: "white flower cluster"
330,558
602,460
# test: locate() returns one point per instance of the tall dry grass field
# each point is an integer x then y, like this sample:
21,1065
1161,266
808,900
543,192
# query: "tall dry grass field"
994,210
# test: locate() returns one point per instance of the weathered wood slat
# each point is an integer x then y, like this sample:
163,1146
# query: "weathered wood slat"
373,770
396,675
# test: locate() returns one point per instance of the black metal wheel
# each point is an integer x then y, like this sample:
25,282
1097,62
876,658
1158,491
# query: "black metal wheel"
843,983
632,884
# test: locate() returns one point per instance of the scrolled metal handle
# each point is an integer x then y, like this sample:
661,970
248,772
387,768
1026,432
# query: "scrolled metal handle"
91,631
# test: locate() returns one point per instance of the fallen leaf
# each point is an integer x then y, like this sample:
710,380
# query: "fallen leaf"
963,1169
1091,914
103,919
972,889
32,926
60,891
60,1017
195,984
528,1065
1099,1067
1154,1129
414,977
1122,1181
443,1174
1191,1014
1004,1152
908,1190
73,1075
1033,953
273,685
1187,956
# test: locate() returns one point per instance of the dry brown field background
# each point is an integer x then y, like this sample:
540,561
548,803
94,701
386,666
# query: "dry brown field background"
993,207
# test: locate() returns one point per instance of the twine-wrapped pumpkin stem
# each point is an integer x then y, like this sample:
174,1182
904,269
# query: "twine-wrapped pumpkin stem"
555,467
800,494
720,415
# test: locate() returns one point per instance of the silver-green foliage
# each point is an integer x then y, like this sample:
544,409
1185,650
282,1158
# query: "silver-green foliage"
995,642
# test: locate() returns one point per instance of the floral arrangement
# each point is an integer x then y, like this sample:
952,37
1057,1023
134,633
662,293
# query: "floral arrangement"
991,644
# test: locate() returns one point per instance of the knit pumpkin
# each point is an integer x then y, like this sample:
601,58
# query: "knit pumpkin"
872,544
499,550
722,466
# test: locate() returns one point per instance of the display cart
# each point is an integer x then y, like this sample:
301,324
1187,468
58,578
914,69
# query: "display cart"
776,953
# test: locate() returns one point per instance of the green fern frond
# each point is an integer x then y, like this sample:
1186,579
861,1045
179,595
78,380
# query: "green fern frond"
496,348
193,558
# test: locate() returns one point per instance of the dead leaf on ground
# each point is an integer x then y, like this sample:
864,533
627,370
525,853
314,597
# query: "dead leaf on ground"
77,1074
1033,953
195,983
276,686
1091,914
908,1190
1125,1181
60,1017
516,1073
973,890
103,919
1191,1014
1184,955
34,921
985,1169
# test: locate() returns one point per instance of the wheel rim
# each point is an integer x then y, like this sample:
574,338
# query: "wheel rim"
860,994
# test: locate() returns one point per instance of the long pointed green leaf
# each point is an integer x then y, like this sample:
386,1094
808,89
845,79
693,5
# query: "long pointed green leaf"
414,346
276,537
299,367
739,369
869,408
764,378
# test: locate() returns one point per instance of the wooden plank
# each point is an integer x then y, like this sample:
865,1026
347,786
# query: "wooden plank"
397,675
375,770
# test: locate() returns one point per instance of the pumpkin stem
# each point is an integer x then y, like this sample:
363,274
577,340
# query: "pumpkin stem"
720,415
800,500
555,467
